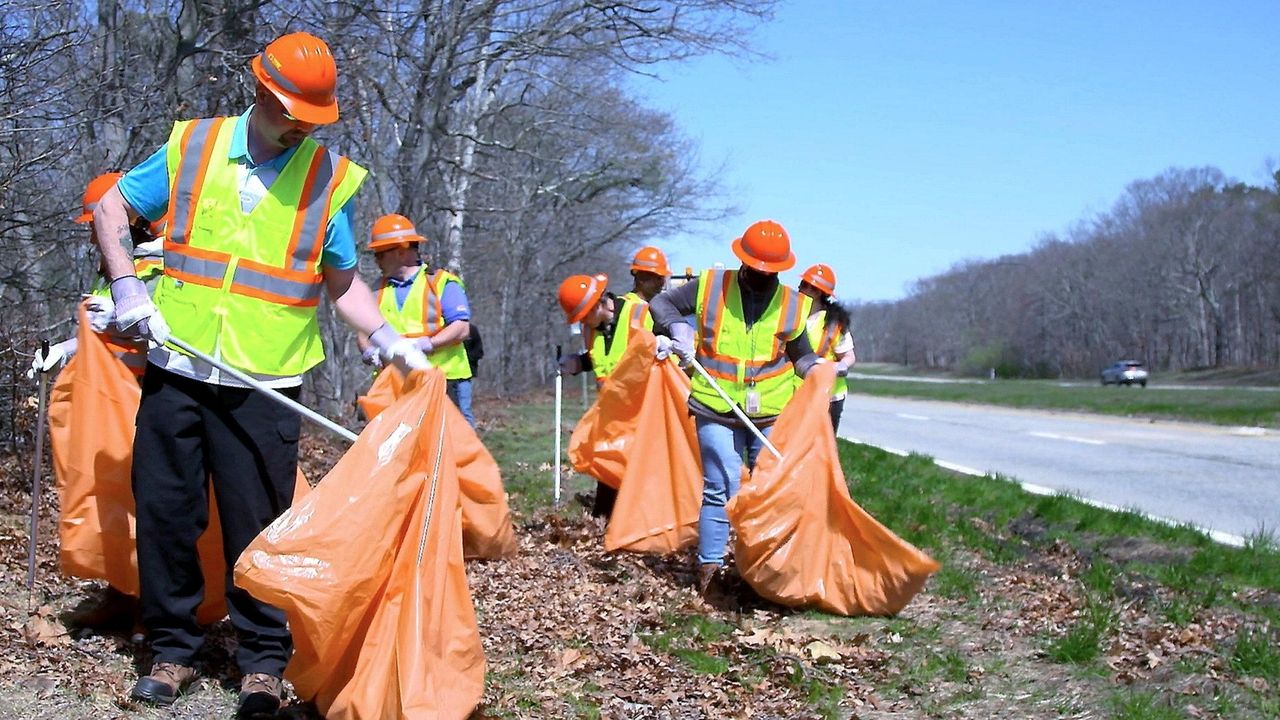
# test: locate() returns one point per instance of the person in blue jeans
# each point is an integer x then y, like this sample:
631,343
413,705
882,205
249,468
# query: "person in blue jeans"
751,339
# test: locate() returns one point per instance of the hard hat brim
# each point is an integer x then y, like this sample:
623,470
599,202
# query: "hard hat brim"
661,272
395,242
305,111
762,265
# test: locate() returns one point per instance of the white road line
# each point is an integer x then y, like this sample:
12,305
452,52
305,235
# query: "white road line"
1217,536
1068,438
909,416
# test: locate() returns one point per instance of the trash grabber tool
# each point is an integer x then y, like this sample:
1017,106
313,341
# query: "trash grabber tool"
37,464
734,406
272,393
559,400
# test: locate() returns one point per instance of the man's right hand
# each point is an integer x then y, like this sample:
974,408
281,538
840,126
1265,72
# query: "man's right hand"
399,351
136,315
570,364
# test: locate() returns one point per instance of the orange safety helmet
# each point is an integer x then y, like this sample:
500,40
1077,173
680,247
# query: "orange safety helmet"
766,247
94,191
299,70
579,293
393,231
822,277
651,260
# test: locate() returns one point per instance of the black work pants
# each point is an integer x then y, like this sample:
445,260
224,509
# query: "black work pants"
189,433
837,409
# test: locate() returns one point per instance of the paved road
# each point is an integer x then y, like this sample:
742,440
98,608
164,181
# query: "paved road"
1224,479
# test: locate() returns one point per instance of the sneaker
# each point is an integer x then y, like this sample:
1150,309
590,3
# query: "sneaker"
164,684
259,696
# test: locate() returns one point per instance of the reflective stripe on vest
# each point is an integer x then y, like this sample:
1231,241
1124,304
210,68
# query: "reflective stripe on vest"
742,358
246,285
823,338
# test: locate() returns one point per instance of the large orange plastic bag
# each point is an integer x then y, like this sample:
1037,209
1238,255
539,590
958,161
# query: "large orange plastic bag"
369,571
487,530
639,437
92,407
801,539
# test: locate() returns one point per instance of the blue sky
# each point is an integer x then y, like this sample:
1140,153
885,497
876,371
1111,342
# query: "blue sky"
893,140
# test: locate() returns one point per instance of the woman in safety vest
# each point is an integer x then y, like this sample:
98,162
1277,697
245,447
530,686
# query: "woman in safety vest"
751,338
828,327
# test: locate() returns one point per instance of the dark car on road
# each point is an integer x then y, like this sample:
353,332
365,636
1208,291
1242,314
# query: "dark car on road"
1125,372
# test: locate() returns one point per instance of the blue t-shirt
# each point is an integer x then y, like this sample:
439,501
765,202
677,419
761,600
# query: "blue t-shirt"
453,301
146,189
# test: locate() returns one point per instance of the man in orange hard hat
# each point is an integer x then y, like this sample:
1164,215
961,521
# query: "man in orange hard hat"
751,339
607,323
828,328
430,308
259,225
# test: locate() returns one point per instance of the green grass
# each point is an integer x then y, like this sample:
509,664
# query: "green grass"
1257,654
1222,406
1134,705
520,438
1083,641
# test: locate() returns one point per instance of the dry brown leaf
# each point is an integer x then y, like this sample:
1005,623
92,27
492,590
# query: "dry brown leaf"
820,651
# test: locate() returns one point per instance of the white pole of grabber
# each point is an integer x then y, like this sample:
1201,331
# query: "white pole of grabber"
272,393
559,400
734,406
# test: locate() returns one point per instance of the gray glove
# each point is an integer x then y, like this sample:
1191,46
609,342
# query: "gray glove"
842,368
100,311
136,315
570,364
664,347
425,345
682,341
372,356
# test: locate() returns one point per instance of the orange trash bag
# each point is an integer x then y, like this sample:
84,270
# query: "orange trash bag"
639,437
92,407
487,530
369,572
801,539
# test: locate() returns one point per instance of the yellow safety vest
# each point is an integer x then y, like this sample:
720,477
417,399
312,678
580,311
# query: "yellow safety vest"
741,358
422,316
247,285
632,312
824,339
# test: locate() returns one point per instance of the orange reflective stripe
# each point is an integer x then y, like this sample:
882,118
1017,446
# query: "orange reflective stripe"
197,143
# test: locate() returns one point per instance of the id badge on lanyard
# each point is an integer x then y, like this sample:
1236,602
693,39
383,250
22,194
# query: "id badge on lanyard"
752,405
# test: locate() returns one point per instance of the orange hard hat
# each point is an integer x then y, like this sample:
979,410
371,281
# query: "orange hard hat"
579,293
822,277
299,70
94,191
651,260
392,231
766,247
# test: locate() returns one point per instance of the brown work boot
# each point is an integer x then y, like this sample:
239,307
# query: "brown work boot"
259,696
706,577
112,610
164,684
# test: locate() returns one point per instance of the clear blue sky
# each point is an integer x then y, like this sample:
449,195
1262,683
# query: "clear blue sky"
894,139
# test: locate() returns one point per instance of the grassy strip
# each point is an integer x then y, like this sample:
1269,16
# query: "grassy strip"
1221,406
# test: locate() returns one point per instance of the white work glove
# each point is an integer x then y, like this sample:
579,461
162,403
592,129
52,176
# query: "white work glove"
399,351
664,347
100,311
842,368
57,354
136,315
425,345
372,356
570,364
682,341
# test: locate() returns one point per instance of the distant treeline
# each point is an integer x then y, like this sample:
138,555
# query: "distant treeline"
1183,272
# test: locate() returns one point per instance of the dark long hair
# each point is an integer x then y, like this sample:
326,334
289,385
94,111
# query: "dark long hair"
837,313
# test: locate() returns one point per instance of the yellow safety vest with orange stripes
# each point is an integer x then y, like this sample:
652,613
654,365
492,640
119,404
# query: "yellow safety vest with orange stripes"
824,339
743,359
632,313
422,316
246,286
